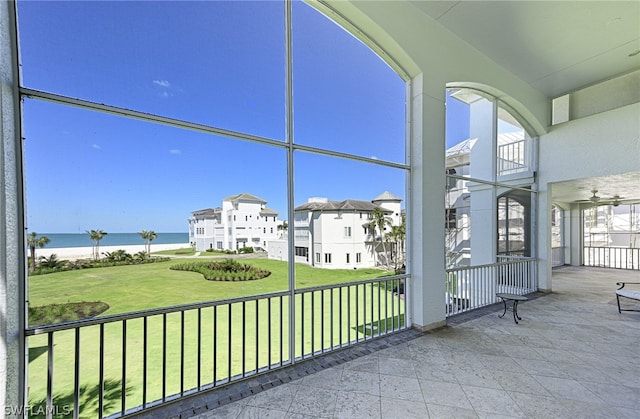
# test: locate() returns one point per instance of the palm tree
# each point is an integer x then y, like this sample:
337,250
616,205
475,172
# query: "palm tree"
380,221
96,236
398,235
148,236
34,241
282,228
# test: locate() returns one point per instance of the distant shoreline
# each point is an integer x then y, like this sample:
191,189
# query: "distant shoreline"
72,253
62,240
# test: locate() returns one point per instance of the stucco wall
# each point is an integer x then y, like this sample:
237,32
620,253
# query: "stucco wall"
604,144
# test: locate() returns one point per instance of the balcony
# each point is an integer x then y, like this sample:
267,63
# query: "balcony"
572,355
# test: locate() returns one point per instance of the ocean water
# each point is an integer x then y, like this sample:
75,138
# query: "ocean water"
58,240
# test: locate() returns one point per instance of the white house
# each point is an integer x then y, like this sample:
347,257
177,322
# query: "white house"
242,221
337,234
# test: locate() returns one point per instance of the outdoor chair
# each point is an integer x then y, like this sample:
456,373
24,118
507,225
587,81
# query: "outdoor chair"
633,294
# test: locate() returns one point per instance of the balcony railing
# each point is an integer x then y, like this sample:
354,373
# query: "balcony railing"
557,256
612,257
123,364
472,287
511,158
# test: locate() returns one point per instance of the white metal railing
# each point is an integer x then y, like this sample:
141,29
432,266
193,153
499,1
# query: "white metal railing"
557,256
127,363
612,257
472,287
511,158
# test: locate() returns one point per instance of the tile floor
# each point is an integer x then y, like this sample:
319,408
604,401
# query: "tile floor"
572,356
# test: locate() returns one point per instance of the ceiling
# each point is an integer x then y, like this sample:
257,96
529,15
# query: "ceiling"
626,186
556,46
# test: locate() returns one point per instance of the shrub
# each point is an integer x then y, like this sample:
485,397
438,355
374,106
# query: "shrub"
141,256
119,255
245,250
226,270
51,262
116,259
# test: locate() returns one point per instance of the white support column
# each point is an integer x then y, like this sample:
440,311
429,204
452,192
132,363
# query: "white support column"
12,262
566,233
544,251
427,205
483,219
575,221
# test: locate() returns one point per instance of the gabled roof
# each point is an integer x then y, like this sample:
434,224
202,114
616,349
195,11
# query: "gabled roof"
346,205
387,196
463,147
206,212
267,211
245,197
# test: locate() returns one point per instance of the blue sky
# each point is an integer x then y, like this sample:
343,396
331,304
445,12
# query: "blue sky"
216,63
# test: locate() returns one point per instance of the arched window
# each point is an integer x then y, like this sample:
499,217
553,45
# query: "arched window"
496,156
144,115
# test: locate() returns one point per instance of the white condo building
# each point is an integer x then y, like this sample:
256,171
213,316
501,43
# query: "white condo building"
337,234
242,221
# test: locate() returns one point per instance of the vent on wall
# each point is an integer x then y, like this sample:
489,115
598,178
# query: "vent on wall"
560,110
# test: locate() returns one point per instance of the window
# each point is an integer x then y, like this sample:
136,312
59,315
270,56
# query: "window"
348,258
150,65
451,222
347,231
513,143
556,226
358,257
451,181
514,212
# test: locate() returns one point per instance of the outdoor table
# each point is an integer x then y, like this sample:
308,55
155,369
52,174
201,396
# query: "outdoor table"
514,307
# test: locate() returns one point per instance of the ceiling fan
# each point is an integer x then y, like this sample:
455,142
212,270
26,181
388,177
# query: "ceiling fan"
615,200
594,198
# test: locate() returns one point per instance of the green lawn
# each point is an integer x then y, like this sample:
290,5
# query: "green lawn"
140,287
137,287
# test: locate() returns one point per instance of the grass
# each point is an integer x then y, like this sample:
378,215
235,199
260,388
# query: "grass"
138,287
66,312
187,251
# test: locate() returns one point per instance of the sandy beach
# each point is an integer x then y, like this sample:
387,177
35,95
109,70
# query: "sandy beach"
72,253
